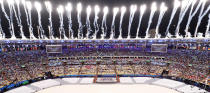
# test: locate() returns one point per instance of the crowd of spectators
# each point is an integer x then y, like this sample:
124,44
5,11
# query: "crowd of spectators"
17,66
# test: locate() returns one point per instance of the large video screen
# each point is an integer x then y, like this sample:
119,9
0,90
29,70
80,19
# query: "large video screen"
159,48
54,48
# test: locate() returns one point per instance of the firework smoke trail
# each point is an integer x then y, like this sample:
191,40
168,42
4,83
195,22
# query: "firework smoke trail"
11,5
104,26
3,10
142,10
26,12
185,6
112,33
207,29
80,30
29,21
153,9
19,14
201,15
38,8
89,30
69,9
88,26
191,15
18,18
123,9
176,6
30,25
96,22
2,35
71,32
132,12
60,10
163,9
49,10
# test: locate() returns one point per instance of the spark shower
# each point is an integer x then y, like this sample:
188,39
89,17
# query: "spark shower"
184,6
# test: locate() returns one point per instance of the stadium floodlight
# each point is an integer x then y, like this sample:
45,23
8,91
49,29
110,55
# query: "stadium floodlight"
97,9
115,10
60,9
123,9
154,6
106,10
88,10
143,8
163,7
38,6
48,5
69,7
133,8
10,2
79,7
177,3
28,5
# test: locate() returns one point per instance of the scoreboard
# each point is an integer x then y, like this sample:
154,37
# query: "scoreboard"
159,48
54,48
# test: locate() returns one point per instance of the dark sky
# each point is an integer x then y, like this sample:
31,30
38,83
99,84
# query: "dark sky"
110,4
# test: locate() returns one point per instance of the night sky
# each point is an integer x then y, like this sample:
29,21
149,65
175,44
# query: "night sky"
110,4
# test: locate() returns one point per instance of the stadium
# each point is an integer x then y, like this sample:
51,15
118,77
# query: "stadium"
102,46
